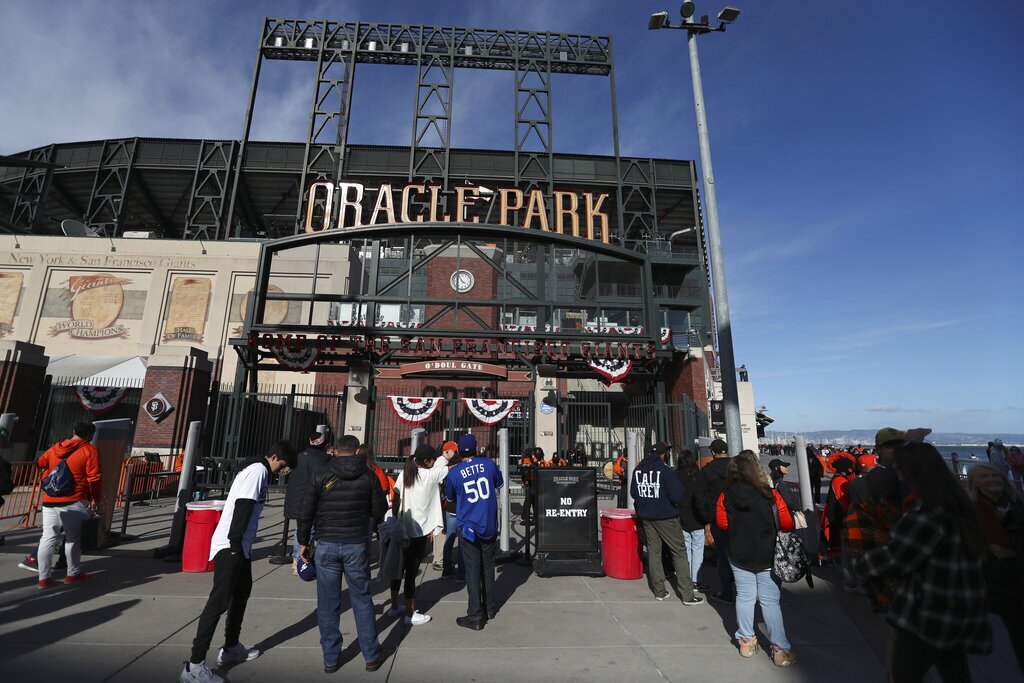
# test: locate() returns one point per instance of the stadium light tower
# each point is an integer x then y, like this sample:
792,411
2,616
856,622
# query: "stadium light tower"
727,360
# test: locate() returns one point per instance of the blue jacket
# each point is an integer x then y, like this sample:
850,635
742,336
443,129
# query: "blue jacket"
656,490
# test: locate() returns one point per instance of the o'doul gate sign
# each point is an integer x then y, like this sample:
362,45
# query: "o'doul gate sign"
457,367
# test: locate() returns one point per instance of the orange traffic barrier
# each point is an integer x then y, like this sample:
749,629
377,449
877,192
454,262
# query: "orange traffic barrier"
20,507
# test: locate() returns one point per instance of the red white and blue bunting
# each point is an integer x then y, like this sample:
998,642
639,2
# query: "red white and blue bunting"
491,411
666,335
612,369
414,409
296,358
99,399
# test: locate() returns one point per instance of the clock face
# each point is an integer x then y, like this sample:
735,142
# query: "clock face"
462,281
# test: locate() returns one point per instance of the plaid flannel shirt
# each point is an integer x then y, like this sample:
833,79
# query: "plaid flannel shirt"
941,594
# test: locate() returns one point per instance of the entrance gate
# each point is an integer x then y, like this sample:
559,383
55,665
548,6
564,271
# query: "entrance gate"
589,424
452,419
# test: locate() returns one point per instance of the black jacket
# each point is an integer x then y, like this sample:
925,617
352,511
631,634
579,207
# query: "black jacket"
690,518
340,501
710,484
309,461
752,527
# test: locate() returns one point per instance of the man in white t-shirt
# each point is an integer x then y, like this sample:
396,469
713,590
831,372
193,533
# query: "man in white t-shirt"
231,552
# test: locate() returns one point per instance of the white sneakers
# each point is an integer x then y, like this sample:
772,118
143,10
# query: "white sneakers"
198,673
417,619
236,654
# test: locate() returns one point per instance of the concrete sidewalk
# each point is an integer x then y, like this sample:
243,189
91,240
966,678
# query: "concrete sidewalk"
135,621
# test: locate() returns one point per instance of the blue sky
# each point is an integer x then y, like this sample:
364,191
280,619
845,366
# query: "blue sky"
867,159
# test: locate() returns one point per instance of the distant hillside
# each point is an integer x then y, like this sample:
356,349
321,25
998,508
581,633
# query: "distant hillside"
867,436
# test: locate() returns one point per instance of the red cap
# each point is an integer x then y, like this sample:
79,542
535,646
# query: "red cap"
868,461
450,446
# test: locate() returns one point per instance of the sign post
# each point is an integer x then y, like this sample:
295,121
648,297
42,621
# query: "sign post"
567,522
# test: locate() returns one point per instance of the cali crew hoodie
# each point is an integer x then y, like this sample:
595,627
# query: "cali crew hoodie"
656,490
84,463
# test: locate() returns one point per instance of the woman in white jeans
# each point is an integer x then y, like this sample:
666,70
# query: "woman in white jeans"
689,517
752,513
417,505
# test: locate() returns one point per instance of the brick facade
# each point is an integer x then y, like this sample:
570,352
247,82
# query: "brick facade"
22,372
183,376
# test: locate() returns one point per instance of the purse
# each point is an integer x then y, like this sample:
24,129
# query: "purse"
393,542
790,563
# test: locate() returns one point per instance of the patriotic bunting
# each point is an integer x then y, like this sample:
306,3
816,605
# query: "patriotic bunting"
299,358
666,335
99,399
612,369
490,412
414,409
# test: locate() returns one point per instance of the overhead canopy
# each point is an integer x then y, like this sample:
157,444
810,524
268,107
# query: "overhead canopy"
99,371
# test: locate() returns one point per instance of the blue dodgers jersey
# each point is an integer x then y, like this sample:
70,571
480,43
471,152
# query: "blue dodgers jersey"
473,485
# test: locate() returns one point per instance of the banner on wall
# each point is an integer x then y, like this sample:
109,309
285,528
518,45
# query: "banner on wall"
99,400
413,410
490,411
298,358
611,369
96,302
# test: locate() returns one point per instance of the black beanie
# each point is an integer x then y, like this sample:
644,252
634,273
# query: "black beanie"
424,452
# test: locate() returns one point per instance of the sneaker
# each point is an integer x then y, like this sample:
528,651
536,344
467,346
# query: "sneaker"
782,657
198,673
727,598
701,587
376,664
748,646
77,578
46,583
695,600
417,619
395,611
661,597
438,566
331,668
295,567
236,654
29,564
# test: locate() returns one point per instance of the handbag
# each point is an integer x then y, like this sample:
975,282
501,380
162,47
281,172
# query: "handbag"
394,542
790,563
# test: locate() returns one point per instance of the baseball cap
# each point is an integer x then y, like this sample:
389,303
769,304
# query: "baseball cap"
658,449
888,435
467,443
450,446
306,569
868,461
776,463
719,446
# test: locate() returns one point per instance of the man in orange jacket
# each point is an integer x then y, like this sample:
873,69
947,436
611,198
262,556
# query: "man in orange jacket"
69,511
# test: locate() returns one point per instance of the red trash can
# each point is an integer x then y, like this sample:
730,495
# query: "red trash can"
201,520
620,545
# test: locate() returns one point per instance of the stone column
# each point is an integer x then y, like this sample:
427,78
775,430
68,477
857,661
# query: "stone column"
182,374
22,371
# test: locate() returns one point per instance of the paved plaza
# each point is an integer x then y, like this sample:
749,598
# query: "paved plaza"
135,622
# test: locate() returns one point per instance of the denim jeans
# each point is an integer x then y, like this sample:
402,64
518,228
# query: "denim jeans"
71,518
479,556
694,541
451,535
354,560
725,576
764,588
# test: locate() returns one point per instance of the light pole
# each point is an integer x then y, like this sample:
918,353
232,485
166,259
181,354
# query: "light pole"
726,359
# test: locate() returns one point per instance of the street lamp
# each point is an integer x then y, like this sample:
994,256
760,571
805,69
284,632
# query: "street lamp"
727,361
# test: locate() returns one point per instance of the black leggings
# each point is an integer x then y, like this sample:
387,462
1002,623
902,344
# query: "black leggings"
910,658
414,555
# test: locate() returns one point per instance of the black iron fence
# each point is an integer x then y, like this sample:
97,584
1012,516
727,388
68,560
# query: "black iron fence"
64,402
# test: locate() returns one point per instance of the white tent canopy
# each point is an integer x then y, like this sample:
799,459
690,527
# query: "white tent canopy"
99,371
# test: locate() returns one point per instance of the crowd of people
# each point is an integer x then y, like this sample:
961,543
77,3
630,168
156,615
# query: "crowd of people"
942,559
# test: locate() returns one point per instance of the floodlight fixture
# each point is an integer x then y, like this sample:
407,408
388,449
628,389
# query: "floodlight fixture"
728,15
658,20
687,10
